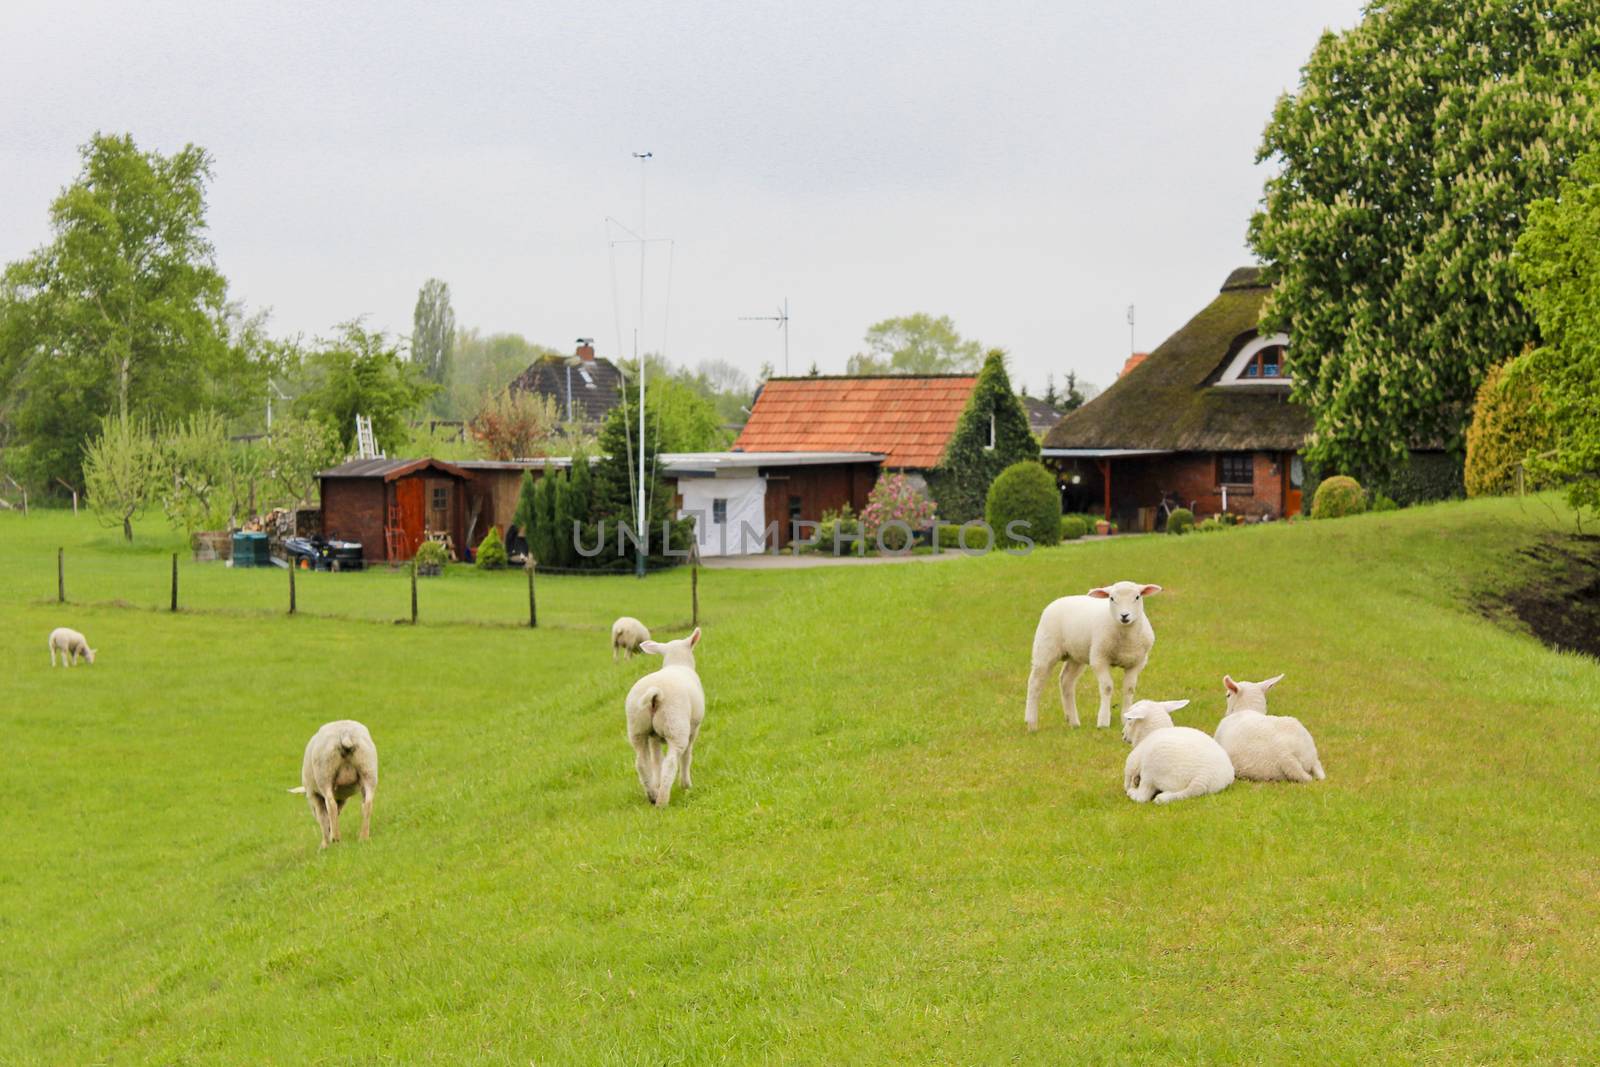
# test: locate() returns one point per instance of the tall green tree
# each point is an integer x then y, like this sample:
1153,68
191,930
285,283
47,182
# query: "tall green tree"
1406,162
1558,264
916,344
484,365
991,435
360,372
123,311
122,471
433,339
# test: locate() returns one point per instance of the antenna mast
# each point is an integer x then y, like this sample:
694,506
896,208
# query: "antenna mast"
1132,347
782,319
643,528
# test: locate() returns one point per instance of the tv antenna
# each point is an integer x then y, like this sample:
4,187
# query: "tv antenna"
782,319
1132,348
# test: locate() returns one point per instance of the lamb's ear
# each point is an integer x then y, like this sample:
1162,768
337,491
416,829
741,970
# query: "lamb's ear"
655,648
1150,590
1133,714
1174,705
1270,682
1100,594
694,638
1229,684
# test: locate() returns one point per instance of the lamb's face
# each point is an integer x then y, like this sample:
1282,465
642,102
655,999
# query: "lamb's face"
1125,600
88,654
1148,716
679,653
1248,695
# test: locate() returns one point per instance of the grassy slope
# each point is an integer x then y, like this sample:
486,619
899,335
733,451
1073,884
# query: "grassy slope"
878,864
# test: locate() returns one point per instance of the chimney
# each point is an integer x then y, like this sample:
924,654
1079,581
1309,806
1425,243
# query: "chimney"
586,349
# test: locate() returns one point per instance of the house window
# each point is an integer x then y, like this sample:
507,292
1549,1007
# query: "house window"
794,511
1236,468
719,511
441,498
991,431
1262,361
1267,363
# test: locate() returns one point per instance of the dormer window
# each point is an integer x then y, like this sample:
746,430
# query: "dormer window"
1263,361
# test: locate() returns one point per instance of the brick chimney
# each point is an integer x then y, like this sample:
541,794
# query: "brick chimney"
586,349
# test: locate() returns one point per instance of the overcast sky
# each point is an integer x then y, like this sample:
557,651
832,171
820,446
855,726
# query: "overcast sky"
1029,170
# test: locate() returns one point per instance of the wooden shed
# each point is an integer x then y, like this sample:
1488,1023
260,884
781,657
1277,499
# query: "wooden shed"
392,505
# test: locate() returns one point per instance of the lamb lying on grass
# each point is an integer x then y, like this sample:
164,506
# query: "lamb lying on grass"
1265,748
664,710
627,634
340,761
1105,629
1170,762
71,644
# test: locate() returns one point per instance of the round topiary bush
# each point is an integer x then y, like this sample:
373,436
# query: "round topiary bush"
1337,497
1073,527
491,551
430,559
1024,493
1180,521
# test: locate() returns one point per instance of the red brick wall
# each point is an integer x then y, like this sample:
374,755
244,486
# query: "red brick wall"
353,510
1191,476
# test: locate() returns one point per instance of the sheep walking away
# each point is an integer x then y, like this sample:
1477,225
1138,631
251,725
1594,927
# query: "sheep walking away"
340,762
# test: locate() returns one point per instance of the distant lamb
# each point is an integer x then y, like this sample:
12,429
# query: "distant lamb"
1105,629
1170,762
627,634
1265,748
341,760
71,644
665,709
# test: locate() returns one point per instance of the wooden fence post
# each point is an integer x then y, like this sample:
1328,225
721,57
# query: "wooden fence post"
61,576
292,569
533,607
174,581
413,592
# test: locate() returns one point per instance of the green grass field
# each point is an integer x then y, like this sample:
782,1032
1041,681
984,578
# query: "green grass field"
877,864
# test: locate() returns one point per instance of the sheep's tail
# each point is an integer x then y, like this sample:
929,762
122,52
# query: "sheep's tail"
347,743
651,697
298,789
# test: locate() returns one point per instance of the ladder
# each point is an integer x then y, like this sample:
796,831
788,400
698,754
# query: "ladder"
366,446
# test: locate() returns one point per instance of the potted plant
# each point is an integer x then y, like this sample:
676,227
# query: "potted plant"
430,559
1102,527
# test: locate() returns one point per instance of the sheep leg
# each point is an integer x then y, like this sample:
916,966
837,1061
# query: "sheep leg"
330,802
1070,673
1195,788
368,791
669,771
52,655
1036,680
321,815
644,764
1102,673
688,757
1292,770
1130,681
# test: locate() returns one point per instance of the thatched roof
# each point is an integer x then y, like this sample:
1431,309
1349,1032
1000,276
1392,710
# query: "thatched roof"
1169,400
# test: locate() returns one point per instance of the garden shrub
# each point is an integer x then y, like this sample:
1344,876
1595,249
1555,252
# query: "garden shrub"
950,537
1426,477
1382,503
1180,521
848,527
970,463
430,559
1507,426
1073,527
895,498
1337,497
1025,493
491,552
1212,525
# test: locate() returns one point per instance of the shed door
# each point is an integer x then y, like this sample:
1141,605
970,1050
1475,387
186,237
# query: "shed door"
408,500
439,513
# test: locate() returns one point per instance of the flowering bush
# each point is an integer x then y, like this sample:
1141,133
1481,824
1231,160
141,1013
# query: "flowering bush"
894,498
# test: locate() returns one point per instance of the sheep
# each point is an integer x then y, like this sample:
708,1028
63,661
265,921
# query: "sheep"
340,760
1105,629
664,710
71,644
627,634
1265,748
1170,762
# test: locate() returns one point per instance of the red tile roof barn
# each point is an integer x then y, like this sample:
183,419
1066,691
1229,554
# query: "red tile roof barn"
909,420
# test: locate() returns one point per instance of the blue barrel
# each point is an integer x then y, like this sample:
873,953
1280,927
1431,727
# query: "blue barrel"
250,549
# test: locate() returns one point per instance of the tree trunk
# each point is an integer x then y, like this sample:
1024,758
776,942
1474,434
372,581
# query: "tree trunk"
127,529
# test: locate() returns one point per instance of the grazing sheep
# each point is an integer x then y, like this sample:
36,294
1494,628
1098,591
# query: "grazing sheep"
1265,748
1170,762
664,710
341,760
1105,629
71,644
627,634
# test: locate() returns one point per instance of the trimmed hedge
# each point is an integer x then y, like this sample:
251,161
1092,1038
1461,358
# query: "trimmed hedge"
1025,493
491,551
1337,497
1180,521
1073,527
1506,427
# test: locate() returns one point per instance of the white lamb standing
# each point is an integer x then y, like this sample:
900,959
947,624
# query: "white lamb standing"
665,709
1105,629
627,634
1170,762
71,644
341,760
1265,748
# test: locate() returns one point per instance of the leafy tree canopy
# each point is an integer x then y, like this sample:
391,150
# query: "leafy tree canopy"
916,344
1407,159
433,338
361,372
122,312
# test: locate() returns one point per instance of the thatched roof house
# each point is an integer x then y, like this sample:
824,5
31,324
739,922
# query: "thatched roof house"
1205,420
583,387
